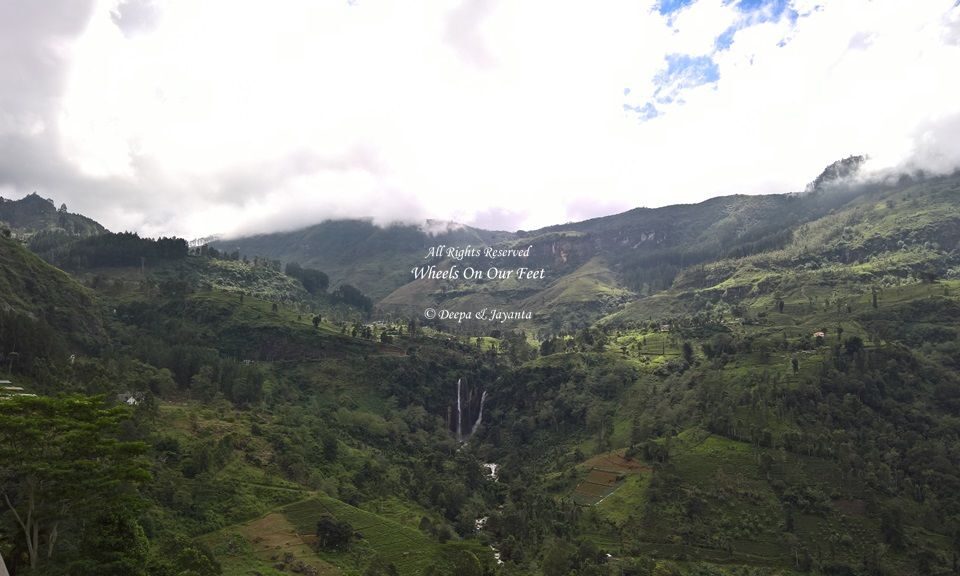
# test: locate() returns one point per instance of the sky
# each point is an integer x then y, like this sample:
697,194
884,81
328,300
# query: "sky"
230,117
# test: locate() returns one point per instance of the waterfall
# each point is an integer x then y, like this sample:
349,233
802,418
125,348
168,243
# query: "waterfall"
459,415
483,398
466,404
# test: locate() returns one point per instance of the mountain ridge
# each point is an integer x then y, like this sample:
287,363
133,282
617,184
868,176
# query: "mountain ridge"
643,249
33,214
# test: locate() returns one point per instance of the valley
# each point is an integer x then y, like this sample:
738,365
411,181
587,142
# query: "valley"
750,385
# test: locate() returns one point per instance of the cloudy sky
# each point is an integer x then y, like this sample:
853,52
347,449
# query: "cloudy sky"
233,117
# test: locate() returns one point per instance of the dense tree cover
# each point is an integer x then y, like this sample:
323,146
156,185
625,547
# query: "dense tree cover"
858,411
310,428
28,346
313,281
196,363
863,410
211,252
116,249
333,534
353,297
68,483
882,416
176,555
47,240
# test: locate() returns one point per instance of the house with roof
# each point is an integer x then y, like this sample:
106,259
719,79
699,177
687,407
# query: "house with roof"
8,390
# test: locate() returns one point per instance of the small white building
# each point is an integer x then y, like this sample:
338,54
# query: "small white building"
130,398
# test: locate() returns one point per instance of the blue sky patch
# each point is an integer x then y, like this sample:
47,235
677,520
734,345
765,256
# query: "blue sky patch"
671,6
767,10
690,70
682,73
756,12
725,39
646,112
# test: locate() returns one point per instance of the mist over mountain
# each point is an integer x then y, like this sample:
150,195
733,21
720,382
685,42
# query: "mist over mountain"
595,266
658,106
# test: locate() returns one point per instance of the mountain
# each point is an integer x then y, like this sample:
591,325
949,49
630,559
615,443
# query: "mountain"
875,236
32,215
837,172
375,259
595,267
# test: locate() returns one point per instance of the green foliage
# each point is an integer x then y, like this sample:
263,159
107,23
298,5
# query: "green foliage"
28,345
313,281
62,462
113,544
49,299
333,534
380,567
374,259
559,559
116,249
454,561
406,548
352,297
179,556
891,527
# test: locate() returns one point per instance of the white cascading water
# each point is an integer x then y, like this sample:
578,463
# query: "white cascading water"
459,416
483,398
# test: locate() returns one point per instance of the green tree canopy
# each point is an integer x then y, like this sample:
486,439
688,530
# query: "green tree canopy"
61,460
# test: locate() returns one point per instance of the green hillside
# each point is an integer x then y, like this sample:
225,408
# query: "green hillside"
376,260
750,385
44,304
593,268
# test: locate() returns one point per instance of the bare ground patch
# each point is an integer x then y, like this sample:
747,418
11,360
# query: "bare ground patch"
274,538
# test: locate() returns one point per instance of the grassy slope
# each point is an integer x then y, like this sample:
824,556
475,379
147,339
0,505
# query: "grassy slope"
582,294
30,286
289,531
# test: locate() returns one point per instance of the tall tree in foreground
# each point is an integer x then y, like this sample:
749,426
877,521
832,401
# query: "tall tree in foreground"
60,461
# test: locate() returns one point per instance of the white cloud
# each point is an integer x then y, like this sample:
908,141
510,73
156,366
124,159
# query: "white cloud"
227,116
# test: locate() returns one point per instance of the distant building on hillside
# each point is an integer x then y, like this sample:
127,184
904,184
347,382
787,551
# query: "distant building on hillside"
8,390
130,398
